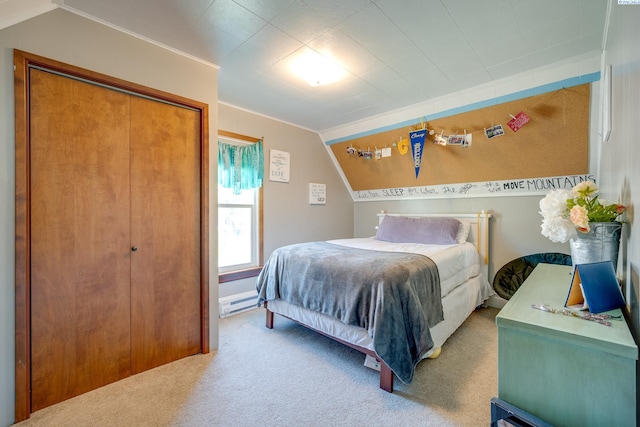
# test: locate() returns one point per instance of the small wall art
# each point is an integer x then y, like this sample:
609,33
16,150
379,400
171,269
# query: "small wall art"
317,194
279,166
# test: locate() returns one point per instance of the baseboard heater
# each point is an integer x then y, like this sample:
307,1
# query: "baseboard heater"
238,303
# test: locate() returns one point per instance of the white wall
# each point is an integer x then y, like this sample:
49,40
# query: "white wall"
75,40
288,217
620,156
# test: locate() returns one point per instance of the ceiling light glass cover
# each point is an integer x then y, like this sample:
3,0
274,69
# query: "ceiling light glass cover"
316,69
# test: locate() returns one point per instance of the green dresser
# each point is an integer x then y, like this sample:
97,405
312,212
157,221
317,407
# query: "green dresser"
564,370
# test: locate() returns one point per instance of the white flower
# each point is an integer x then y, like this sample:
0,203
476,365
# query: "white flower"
558,229
585,189
555,224
555,203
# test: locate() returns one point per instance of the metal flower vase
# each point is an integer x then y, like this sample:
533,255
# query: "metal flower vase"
601,243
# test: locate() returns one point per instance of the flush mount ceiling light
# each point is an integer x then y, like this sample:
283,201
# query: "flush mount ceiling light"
316,69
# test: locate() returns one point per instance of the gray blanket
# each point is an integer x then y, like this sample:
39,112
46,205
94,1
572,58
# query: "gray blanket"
395,296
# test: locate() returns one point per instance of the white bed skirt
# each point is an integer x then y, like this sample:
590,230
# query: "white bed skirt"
457,306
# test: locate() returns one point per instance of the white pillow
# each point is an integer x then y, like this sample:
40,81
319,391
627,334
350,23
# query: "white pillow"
463,231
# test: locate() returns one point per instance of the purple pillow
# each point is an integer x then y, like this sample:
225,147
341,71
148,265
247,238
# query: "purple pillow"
402,229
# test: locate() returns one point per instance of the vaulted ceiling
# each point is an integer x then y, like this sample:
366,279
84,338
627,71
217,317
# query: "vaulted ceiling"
397,53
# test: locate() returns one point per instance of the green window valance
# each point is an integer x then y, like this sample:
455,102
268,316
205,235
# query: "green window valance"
240,167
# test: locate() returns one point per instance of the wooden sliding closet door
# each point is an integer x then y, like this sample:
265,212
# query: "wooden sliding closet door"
165,230
80,257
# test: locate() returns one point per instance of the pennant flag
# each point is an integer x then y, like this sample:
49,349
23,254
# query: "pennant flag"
417,138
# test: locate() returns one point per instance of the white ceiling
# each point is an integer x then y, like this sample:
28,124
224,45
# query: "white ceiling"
397,52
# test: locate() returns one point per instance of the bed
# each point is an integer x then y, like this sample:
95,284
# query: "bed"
396,296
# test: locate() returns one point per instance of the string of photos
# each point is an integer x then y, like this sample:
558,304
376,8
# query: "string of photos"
418,136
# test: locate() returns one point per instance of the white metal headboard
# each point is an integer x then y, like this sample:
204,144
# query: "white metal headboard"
478,230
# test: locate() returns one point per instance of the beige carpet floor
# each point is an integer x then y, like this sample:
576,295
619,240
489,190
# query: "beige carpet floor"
290,376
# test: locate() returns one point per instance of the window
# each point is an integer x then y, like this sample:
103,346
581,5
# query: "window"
237,229
240,232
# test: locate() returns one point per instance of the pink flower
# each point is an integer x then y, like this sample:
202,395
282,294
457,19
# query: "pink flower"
579,218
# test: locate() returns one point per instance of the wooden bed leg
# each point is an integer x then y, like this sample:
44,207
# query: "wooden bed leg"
269,322
386,377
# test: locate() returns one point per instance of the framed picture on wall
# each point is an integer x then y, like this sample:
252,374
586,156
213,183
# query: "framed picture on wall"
279,162
317,194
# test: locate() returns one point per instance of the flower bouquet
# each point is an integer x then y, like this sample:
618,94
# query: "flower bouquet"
568,212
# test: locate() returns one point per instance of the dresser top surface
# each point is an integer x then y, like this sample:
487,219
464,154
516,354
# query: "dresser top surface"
549,284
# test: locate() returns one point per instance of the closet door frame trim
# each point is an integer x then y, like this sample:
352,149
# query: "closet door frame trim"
23,61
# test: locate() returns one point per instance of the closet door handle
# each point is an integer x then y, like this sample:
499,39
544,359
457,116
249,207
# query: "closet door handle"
134,248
